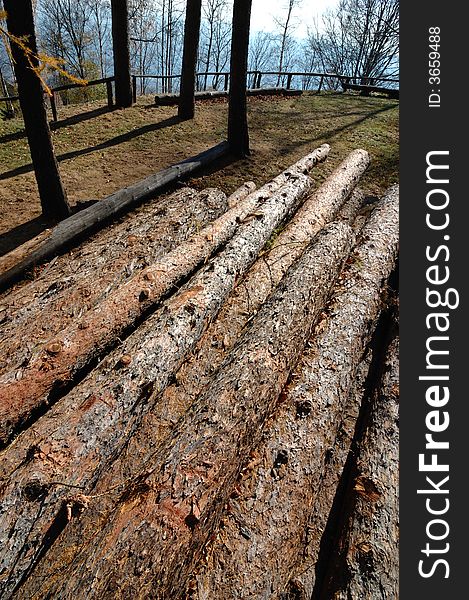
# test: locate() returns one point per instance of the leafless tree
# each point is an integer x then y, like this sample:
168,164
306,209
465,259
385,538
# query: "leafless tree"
286,23
360,38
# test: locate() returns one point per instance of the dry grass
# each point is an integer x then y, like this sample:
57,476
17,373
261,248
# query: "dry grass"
106,151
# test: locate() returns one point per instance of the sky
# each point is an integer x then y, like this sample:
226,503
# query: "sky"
264,11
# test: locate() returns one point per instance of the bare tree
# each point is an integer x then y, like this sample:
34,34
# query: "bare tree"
20,22
359,39
216,36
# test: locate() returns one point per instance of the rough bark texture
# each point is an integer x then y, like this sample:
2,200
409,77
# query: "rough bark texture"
306,570
286,472
121,52
238,133
365,564
38,314
189,59
157,528
20,21
81,224
254,289
247,188
59,359
90,426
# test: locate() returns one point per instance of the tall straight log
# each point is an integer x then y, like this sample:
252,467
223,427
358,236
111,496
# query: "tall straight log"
306,572
186,106
367,551
238,132
56,361
90,427
20,23
286,473
75,283
121,52
181,491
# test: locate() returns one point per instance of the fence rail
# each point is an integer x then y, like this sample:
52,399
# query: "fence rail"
254,81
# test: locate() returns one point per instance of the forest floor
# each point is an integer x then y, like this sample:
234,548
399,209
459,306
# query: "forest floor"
101,151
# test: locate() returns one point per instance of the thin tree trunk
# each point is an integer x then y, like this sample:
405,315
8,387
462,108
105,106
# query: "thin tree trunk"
183,489
238,133
186,107
20,23
121,50
74,283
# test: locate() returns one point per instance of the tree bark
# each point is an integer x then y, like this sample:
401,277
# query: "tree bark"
53,198
91,426
73,284
238,133
367,552
120,47
58,360
186,107
81,224
253,290
181,491
286,473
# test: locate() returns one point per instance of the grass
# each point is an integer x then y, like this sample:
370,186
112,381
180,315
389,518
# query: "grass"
109,150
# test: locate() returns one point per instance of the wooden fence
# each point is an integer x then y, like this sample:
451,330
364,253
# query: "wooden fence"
254,81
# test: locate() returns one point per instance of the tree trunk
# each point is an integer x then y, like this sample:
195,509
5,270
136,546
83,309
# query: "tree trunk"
20,23
238,134
82,223
67,354
74,283
186,482
189,59
92,424
286,473
367,552
253,290
121,51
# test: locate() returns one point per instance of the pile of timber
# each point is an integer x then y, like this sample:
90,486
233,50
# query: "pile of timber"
172,99
192,402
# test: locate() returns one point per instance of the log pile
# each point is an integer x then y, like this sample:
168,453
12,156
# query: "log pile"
181,395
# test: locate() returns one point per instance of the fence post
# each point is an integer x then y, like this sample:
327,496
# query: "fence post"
259,77
53,106
289,78
110,101
227,76
134,89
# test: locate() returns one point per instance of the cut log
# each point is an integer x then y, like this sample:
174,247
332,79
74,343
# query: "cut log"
194,375
286,474
55,362
243,191
81,224
72,284
179,495
365,562
90,427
